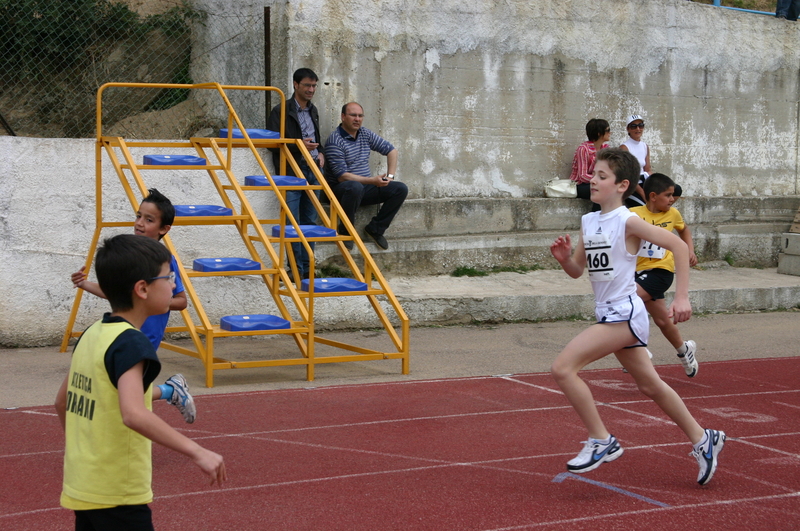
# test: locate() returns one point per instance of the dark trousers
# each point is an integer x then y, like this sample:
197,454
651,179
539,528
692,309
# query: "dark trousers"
353,194
788,8
302,208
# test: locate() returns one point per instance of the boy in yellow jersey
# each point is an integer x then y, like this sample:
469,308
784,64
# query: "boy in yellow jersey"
655,267
105,402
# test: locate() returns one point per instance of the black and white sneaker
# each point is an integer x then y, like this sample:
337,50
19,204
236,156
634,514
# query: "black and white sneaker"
706,454
594,454
688,360
181,397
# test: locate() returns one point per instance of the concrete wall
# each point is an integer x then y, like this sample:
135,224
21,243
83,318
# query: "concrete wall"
485,101
491,98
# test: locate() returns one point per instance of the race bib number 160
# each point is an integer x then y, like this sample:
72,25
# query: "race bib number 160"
598,257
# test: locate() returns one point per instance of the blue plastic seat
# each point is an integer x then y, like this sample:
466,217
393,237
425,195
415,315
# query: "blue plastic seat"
244,323
252,133
225,264
328,285
202,210
280,180
174,160
309,231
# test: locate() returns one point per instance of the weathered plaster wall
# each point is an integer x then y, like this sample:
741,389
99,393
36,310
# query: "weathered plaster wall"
491,98
484,100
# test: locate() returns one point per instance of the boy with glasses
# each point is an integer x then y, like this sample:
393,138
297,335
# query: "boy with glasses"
154,220
105,402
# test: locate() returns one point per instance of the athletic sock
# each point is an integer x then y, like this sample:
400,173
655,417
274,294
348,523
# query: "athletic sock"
702,441
166,391
603,441
683,348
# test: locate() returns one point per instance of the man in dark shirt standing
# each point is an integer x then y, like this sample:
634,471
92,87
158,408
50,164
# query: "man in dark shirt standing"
348,173
302,121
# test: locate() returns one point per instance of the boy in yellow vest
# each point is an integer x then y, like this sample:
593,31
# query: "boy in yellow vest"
655,267
105,402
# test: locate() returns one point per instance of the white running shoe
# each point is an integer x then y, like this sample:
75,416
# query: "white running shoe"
181,397
688,360
594,454
706,455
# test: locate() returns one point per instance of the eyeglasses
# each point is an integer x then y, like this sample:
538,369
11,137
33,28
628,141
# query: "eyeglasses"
308,85
171,277
636,126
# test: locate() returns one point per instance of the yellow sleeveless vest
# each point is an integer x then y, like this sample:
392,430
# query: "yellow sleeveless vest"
105,462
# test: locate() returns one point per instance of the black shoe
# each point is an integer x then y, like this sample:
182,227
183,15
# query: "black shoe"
348,244
379,239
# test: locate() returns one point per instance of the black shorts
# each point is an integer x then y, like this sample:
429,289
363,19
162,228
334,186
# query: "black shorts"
121,518
655,281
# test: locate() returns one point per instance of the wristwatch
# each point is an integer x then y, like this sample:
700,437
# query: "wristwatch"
390,176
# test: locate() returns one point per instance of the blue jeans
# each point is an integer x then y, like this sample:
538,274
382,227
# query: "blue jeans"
302,208
788,8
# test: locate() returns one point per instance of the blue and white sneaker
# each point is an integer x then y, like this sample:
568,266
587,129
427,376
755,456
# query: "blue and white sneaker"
594,454
688,360
706,454
181,397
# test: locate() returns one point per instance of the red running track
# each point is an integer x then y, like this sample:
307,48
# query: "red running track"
460,454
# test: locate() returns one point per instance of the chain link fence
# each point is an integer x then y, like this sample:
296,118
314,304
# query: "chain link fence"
55,54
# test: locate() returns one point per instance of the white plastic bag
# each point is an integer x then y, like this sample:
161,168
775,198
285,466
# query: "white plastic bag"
561,188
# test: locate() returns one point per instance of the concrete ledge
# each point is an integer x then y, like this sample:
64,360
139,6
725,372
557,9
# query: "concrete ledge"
435,237
546,295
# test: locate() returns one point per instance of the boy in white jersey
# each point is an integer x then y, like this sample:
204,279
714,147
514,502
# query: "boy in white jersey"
607,246
105,402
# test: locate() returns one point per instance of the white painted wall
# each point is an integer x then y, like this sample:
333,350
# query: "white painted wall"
483,99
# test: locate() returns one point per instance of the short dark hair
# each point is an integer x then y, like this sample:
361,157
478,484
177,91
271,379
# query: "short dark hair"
124,260
595,128
624,165
344,107
657,183
301,73
163,205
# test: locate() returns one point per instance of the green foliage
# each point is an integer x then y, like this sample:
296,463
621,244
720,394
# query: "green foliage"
42,38
175,22
465,271
171,97
729,258
332,271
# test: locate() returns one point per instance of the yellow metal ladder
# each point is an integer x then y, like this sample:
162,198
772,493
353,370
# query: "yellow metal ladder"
293,297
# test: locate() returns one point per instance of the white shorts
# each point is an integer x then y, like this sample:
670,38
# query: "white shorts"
631,310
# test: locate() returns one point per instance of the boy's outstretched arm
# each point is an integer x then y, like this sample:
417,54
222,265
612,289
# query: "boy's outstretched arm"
572,263
79,281
140,419
686,235
681,308
61,402
178,302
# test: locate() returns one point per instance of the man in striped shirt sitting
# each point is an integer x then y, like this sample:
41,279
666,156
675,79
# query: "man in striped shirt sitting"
347,153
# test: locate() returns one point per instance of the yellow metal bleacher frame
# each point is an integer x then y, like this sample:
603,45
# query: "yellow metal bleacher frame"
261,246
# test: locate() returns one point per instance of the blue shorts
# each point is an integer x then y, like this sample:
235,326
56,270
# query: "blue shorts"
631,310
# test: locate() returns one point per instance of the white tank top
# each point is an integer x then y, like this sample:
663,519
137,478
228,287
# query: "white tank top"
638,150
611,267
